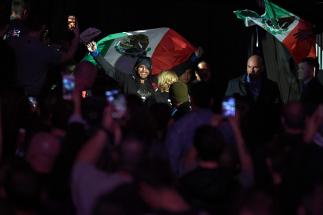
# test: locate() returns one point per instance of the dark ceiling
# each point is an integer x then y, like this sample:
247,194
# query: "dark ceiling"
208,23
311,10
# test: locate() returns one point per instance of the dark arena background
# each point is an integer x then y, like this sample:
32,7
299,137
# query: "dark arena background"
242,136
209,24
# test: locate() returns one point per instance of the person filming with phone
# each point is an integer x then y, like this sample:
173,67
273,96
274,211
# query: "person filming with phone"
34,58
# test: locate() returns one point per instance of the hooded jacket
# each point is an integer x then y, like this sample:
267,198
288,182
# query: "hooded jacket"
130,83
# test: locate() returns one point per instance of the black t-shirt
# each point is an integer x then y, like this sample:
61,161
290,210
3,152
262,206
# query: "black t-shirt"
7,56
210,189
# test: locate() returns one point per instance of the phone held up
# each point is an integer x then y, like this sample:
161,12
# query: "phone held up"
229,107
118,102
68,86
71,22
33,103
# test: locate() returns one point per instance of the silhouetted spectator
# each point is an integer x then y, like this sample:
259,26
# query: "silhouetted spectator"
209,186
311,89
179,97
34,57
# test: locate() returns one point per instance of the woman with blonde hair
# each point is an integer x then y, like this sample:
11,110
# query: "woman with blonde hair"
165,79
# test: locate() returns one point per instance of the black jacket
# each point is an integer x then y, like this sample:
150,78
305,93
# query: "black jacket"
130,83
312,92
269,92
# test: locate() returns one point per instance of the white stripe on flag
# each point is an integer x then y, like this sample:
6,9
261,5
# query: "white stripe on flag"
282,35
113,56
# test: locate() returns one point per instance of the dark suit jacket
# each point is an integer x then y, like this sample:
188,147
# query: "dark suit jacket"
312,93
269,92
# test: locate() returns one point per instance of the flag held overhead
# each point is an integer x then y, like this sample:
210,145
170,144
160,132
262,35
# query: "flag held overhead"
283,25
164,46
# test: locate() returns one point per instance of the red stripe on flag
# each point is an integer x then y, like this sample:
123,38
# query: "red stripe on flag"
172,50
300,49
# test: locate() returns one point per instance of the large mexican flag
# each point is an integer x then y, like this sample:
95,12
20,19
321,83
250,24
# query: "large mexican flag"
166,48
283,25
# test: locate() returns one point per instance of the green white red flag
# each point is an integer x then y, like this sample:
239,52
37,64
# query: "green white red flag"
283,25
166,48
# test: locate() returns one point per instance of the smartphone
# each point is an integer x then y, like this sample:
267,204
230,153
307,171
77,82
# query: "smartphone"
68,86
71,22
86,93
118,102
229,107
33,103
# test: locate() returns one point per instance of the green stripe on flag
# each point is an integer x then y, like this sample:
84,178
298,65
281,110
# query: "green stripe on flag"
103,45
274,12
271,13
275,20
283,25
243,14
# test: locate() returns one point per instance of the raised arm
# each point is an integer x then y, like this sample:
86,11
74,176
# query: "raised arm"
107,67
109,133
69,54
247,172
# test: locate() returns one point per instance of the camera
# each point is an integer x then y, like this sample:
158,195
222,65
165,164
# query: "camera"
229,107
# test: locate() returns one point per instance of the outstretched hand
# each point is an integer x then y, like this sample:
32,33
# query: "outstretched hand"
91,46
110,124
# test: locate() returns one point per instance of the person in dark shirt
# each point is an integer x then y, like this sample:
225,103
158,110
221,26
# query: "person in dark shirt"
254,85
165,80
209,186
34,58
179,97
310,87
262,97
139,82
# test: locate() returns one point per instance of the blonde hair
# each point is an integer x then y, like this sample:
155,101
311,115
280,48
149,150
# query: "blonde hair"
165,79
